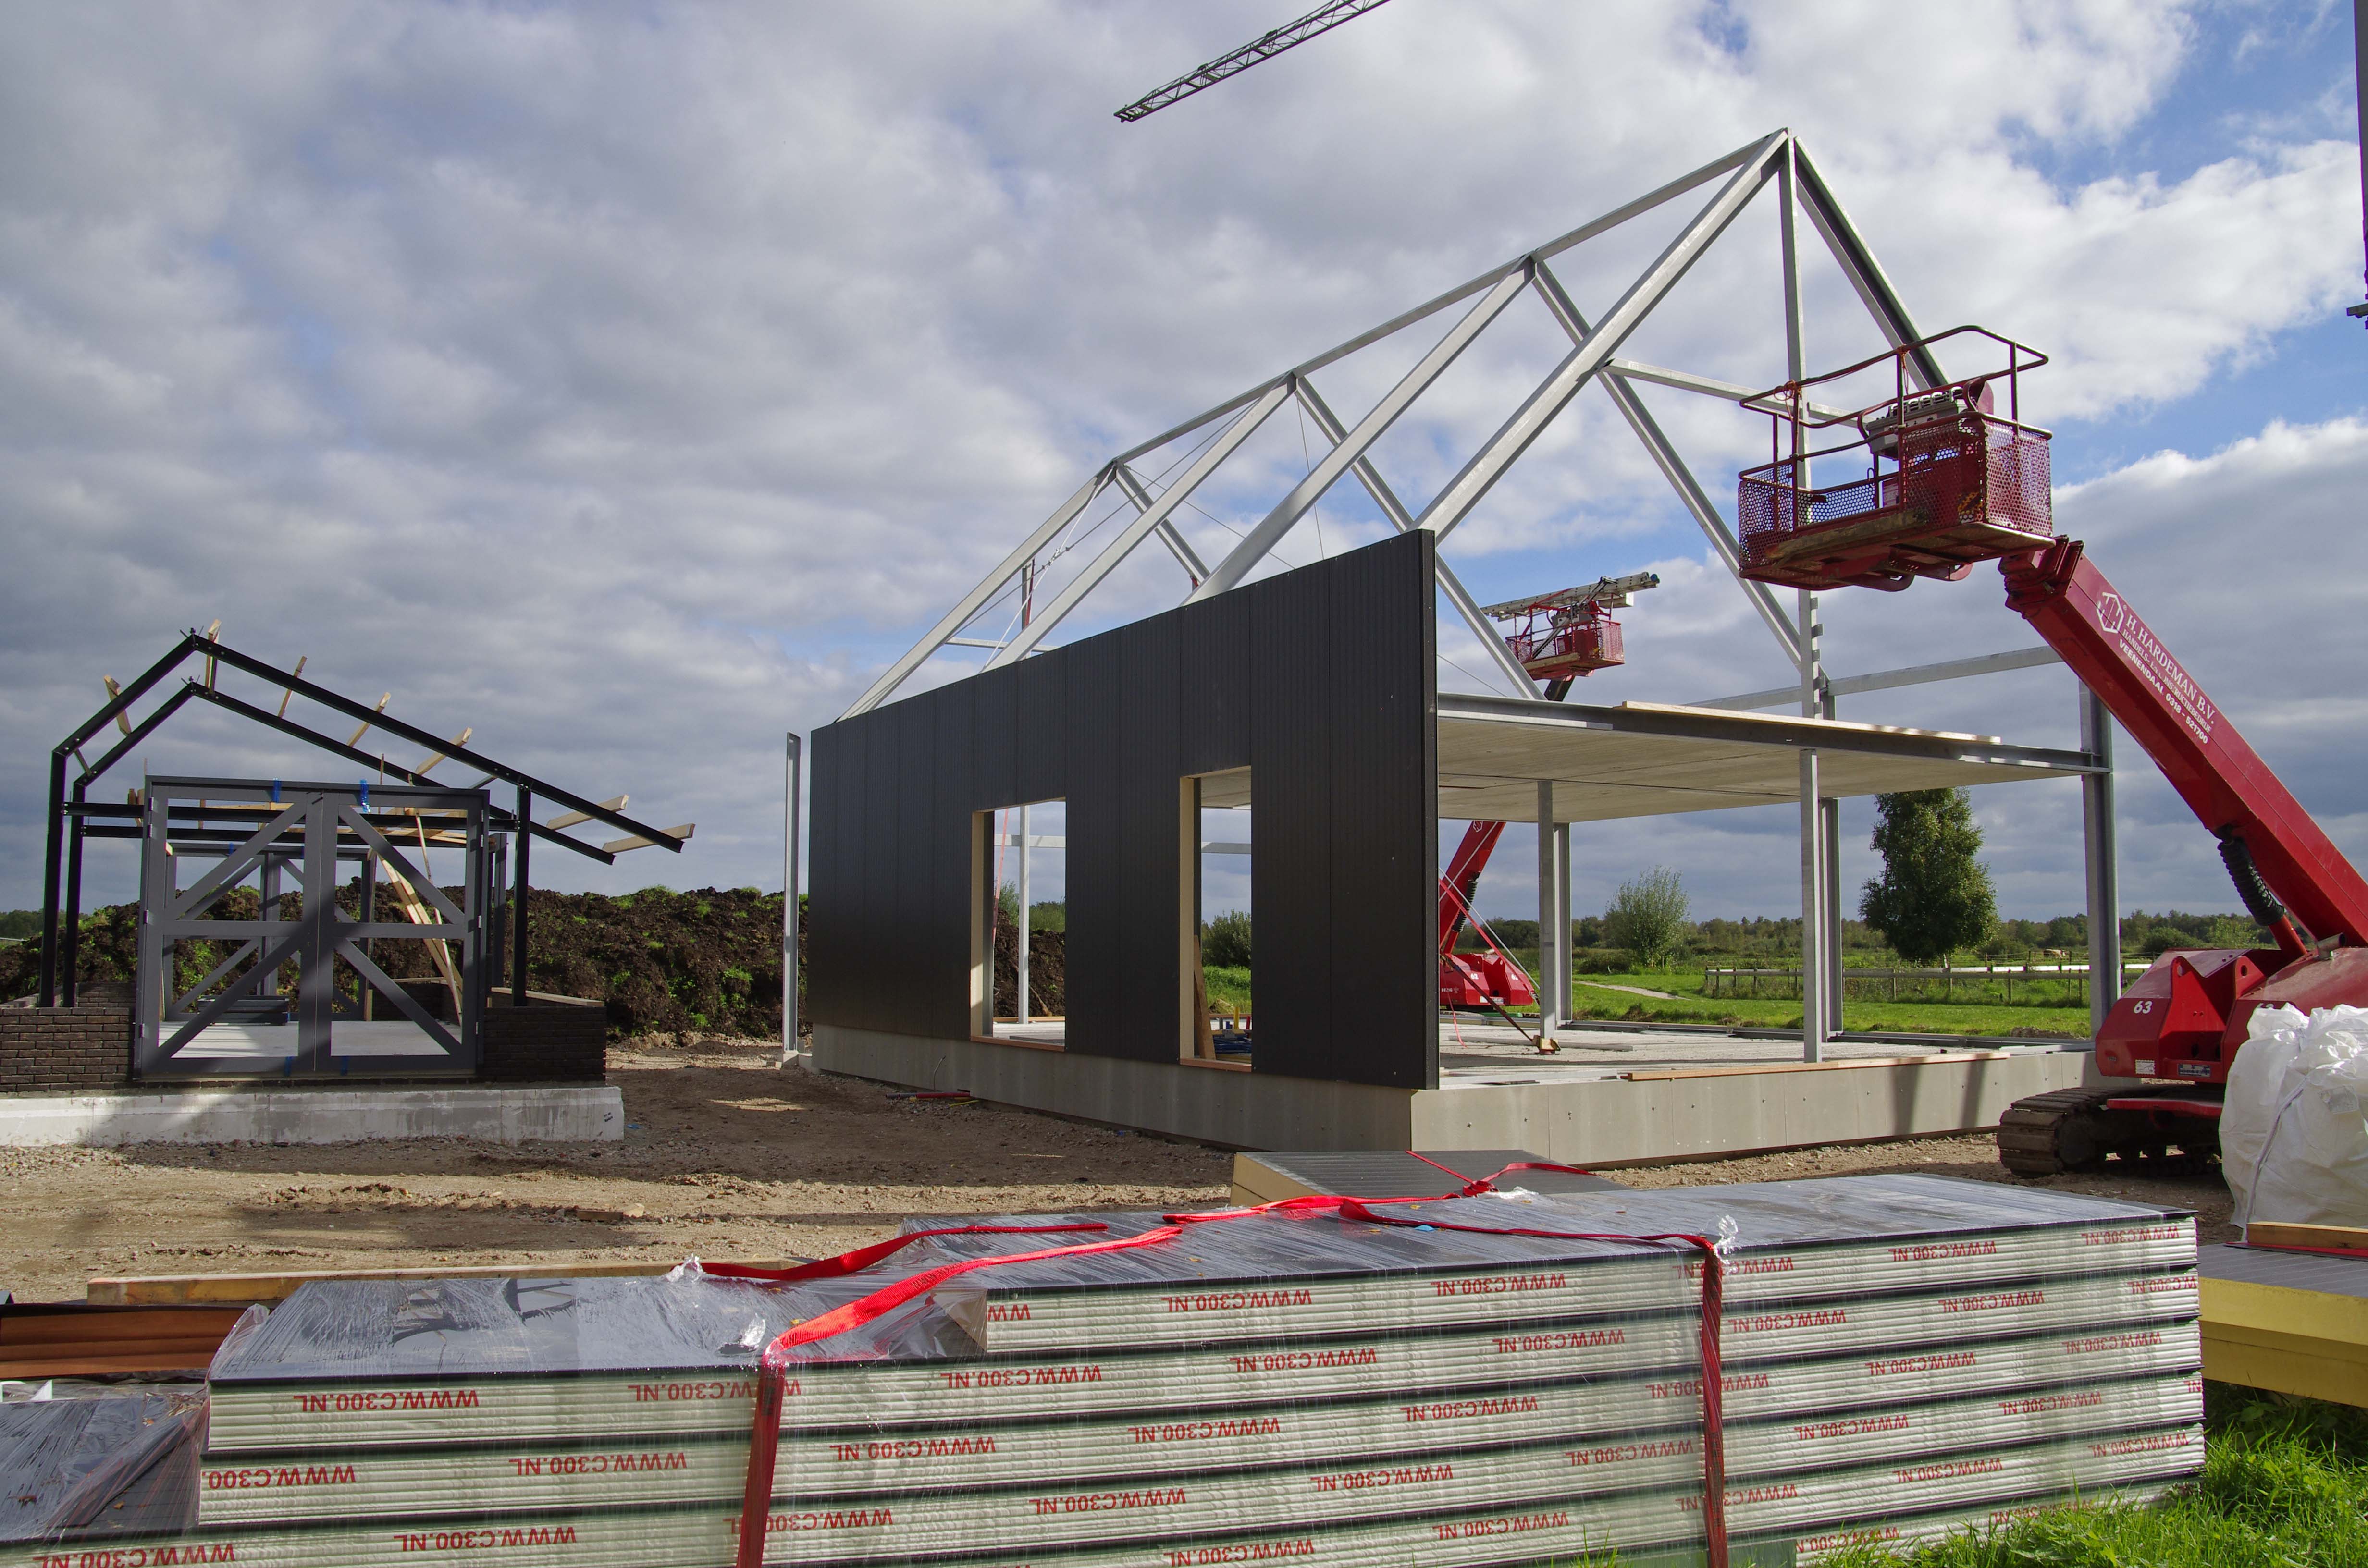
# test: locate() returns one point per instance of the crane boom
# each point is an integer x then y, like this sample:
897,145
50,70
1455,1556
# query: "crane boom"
1266,46
2083,618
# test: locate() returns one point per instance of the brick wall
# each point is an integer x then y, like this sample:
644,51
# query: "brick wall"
549,1043
63,1050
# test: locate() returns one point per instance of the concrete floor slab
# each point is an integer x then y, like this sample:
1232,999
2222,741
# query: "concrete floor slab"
563,1113
1682,1096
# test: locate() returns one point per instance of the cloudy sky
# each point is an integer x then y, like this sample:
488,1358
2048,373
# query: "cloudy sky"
631,382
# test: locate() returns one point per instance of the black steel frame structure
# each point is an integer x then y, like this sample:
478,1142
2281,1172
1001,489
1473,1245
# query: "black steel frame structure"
259,830
72,817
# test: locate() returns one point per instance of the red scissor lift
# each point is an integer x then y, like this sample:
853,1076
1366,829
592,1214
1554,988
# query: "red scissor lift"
1947,483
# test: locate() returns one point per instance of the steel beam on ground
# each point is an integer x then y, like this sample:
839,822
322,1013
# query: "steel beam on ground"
2098,855
1270,528
1464,492
1135,533
1673,468
970,604
1492,642
1886,680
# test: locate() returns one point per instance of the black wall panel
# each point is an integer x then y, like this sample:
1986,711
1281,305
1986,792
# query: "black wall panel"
1096,1006
1293,650
1149,758
994,779
1321,680
1213,688
1043,717
945,1010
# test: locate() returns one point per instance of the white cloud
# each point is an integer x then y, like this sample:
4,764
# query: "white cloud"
631,385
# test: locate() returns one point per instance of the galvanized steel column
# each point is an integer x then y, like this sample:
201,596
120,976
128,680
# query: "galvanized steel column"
1553,895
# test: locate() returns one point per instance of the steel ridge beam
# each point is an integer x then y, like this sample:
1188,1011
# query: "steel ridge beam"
970,604
1119,547
1664,453
290,727
1676,722
1377,420
483,764
1886,680
1551,395
1491,639
1593,227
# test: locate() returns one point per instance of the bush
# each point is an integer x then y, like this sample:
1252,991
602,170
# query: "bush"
1648,916
1604,961
1225,941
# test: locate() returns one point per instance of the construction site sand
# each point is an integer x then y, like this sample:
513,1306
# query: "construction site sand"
724,1156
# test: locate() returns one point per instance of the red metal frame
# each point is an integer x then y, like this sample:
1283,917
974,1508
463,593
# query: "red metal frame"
1557,640
1947,483
1476,980
2186,1016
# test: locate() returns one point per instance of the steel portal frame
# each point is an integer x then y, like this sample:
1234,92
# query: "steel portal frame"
1738,178
258,829
70,809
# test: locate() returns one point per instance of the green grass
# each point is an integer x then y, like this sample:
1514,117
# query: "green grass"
2285,1486
1229,986
1905,1016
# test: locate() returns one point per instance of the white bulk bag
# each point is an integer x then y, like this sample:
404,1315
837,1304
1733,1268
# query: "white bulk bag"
2293,1135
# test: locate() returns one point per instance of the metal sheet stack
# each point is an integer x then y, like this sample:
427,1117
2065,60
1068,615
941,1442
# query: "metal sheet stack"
1903,1356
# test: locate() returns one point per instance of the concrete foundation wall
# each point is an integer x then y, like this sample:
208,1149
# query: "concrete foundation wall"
1610,1121
314,1116
1618,1122
1242,1110
57,1049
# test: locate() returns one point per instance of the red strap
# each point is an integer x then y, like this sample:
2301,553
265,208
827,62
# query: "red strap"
862,1258
1474,1188
757,1499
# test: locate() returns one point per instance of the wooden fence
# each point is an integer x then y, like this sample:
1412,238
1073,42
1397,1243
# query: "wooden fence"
1731,980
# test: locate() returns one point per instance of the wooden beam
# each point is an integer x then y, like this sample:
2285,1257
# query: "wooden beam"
2332,1238
383,699
569,819
619,846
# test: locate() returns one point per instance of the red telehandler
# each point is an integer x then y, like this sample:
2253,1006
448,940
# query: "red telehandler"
1947,481
1562,636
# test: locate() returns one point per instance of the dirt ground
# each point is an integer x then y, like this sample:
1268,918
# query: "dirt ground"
724,1157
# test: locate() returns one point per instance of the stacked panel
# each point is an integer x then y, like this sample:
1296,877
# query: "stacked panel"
1903,1355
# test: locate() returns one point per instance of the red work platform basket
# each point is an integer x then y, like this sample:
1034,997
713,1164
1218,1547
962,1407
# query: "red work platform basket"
1567,640
1946,481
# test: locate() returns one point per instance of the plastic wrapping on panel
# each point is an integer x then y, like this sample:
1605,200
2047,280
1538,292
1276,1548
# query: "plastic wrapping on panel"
2293,1130
1474,1380
122,1464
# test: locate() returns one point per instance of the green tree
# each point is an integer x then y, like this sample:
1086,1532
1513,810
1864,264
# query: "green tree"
1225,941
1648,916
1007,907
1934,895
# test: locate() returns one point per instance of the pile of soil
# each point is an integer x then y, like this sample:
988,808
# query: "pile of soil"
708,961
1048,972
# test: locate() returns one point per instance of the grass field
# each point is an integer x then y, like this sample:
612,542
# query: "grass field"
1986,1012
2284,1484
